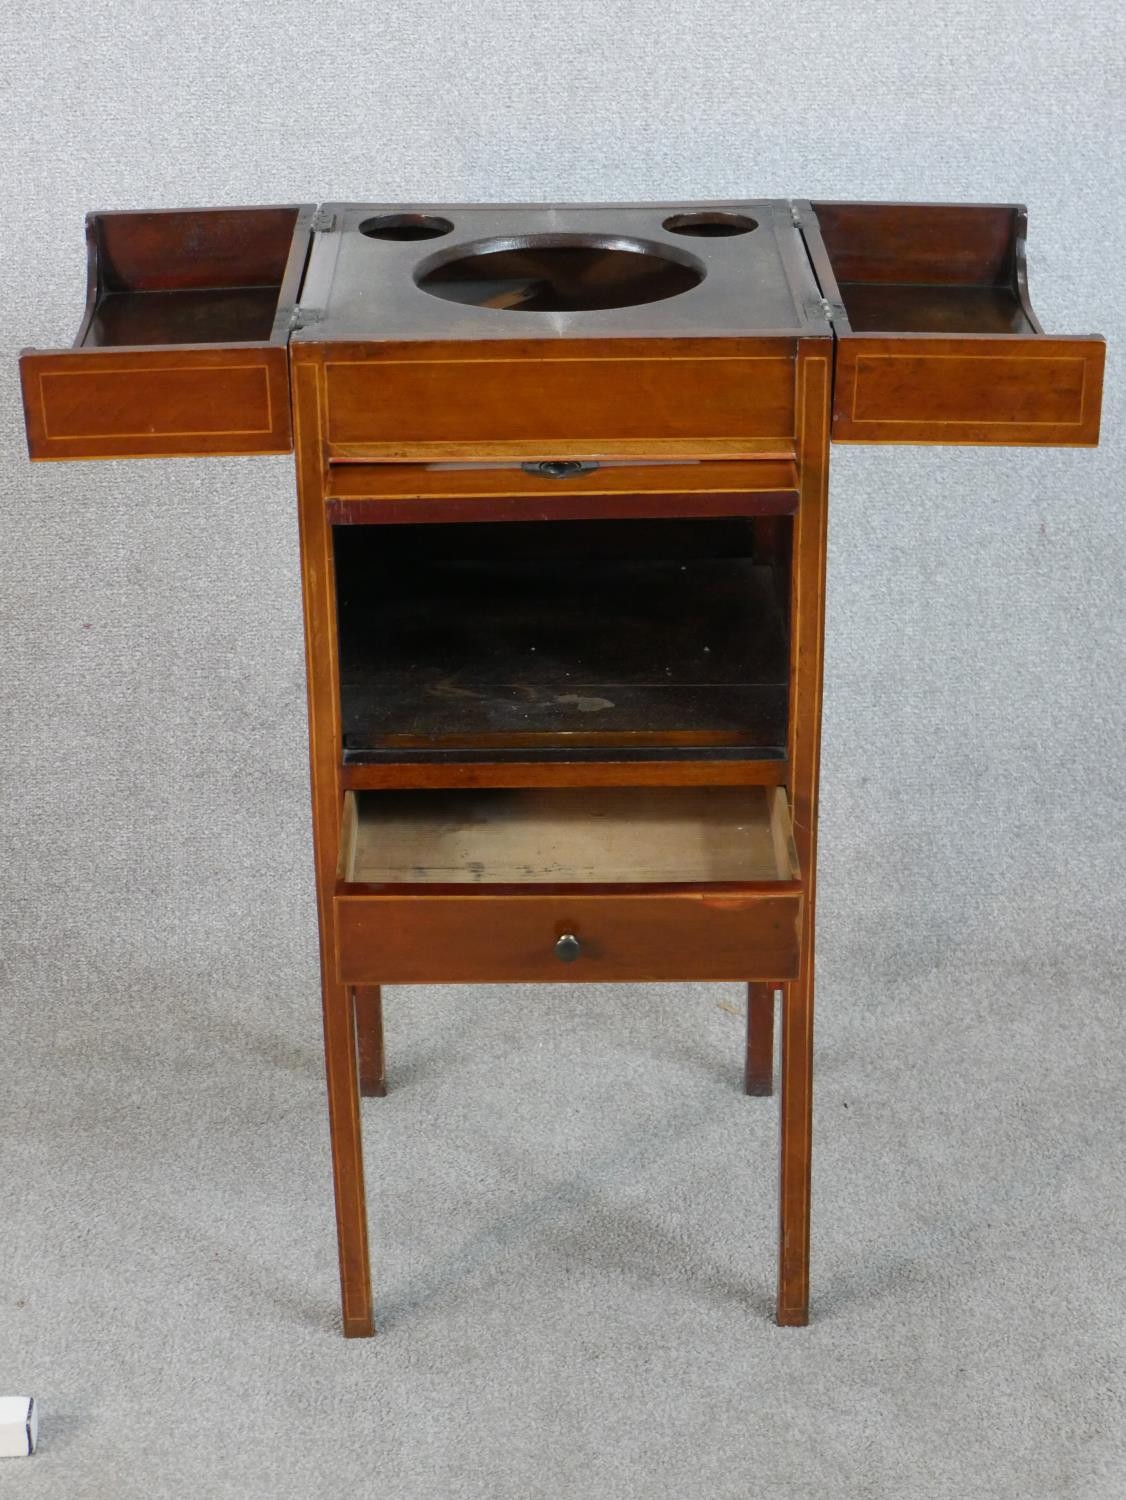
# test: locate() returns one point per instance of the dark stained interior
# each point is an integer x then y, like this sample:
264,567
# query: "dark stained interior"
196,316
570,277
885,307
620,638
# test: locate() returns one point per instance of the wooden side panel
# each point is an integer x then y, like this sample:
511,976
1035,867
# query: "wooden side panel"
807,655
920,243
421,402
1009,390
194,247
158,403
493,938
338,1002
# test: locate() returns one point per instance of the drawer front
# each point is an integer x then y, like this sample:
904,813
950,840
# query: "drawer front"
161,403
490,937
410,405
371,494
1006,390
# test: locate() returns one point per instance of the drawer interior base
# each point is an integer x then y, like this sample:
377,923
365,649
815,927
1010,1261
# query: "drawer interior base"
226,315
887,307
612,835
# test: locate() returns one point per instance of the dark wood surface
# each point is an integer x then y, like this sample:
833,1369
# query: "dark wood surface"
923,244
882,307
195,248
559,650
214,315
368,1003
367,289
758,1067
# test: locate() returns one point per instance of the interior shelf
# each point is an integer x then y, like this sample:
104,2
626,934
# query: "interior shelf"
196,316
875,307
559,639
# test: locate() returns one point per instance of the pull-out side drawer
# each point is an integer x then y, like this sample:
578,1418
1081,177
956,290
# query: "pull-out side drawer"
183,347
578,885
936,338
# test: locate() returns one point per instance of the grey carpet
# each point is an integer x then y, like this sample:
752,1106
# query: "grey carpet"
572,1205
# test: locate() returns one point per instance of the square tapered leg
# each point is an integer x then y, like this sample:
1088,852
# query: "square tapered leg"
342,1076
368,1002
759,1070
796,1140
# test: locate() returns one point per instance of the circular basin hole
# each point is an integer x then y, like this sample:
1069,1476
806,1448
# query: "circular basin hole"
711,223
405,227
559,273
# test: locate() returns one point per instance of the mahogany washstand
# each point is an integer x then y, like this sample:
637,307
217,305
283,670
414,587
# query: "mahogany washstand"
562,479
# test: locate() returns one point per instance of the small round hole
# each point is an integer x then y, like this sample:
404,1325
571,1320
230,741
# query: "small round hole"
405,227
711,223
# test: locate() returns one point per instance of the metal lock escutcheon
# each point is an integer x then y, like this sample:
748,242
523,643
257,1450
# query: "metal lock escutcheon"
558,468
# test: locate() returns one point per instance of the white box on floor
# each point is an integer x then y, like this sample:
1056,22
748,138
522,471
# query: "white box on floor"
19,1426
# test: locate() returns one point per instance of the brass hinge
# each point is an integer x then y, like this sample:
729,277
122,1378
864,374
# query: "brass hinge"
819,307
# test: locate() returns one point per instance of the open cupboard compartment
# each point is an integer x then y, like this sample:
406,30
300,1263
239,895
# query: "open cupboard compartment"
596,884
936,338
183,347
655,639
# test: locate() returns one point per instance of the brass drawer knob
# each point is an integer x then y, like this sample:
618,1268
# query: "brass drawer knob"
567,948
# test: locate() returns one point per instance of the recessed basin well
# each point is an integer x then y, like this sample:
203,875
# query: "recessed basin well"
559,273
